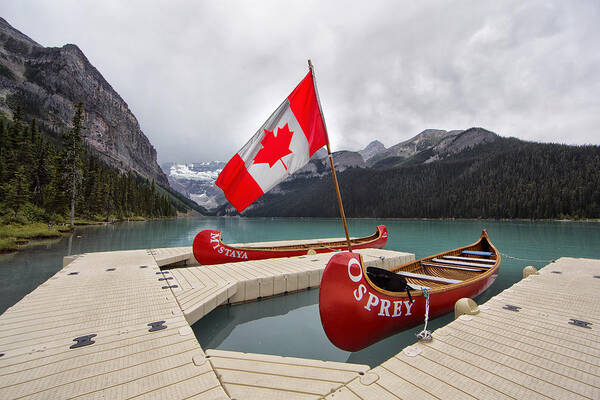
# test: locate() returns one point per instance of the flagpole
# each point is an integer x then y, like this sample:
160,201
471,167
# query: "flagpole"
335,181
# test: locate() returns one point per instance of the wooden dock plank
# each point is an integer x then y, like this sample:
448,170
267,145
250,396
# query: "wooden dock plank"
551,380
497,354
172,255
386,386
126,359
429,363
272,377
533,353
529,351
344,393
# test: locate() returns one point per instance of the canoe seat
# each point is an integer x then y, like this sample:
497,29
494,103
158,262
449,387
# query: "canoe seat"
428,277
486,260
453,267
463,263
389,280
477,253
386,279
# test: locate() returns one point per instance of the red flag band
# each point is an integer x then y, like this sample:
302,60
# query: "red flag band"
282,145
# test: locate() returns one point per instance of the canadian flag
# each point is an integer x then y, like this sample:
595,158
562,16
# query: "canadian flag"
282,145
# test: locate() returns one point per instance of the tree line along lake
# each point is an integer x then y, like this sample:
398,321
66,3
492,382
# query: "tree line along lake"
270,325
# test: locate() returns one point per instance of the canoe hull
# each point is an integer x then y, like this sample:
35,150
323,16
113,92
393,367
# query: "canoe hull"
355,314
209,249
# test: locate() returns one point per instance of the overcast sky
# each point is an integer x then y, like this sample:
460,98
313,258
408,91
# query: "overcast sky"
202,76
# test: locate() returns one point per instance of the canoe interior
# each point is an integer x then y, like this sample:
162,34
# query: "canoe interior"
317,244
464,267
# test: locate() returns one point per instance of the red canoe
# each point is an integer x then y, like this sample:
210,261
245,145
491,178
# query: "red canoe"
209,249
356,312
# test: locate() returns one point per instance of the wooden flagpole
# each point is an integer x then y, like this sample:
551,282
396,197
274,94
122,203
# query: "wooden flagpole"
335,181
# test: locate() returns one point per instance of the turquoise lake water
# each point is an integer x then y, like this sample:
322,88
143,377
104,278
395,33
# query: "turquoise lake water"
290,325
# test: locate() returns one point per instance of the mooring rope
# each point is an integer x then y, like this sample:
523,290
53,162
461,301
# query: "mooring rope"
527,259
425,335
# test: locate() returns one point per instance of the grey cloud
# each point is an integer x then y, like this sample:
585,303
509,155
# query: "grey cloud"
202,76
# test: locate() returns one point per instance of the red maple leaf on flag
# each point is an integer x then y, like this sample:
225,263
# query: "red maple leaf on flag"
275,147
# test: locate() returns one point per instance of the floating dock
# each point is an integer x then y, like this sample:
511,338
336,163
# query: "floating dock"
539,339
117,325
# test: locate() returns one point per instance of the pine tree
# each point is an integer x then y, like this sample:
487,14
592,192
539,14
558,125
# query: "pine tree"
18,193
3,152
3,139
108,198
12,139
54,194
40,175
73,145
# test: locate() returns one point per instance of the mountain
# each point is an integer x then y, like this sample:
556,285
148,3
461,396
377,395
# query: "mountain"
374,148
495,178
197,181
431,145
48,81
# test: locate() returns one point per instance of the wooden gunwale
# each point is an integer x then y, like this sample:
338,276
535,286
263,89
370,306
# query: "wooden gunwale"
306,246
467,277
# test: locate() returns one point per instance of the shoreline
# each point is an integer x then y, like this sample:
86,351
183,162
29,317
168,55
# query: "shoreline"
415,218
13,244
14,238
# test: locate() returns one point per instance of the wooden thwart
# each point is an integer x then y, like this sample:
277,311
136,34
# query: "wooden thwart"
428,277
487,260
467,264
452,267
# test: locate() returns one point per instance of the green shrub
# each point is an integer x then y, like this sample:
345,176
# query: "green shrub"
33,213
30,231
7,245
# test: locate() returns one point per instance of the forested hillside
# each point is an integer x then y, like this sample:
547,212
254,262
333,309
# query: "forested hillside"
37,175
508,178
48,81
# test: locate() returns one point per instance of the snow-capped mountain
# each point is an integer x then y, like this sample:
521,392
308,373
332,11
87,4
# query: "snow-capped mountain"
197,181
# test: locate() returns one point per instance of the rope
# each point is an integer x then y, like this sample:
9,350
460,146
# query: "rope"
527,259
425,335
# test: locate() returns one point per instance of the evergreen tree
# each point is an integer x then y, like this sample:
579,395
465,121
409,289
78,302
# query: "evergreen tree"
33,169
41,171
108,198
17,193
3,139
73,145
13,137
54,195
3,152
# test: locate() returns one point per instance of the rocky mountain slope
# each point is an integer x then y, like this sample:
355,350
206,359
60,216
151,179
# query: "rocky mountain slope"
196,181
431,145
48,81
372,149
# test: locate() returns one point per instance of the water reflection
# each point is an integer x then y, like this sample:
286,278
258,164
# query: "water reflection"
286,325
290,326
